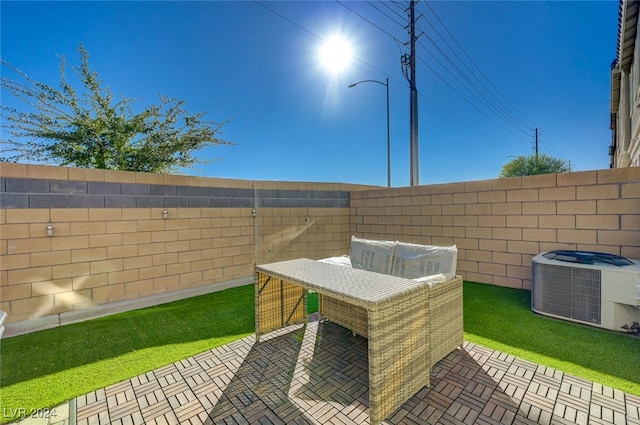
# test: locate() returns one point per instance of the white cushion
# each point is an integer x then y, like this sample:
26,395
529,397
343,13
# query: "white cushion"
413,261
433,280
342,260
375,256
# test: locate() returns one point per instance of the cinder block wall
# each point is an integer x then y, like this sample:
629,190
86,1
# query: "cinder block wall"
500,225
111,242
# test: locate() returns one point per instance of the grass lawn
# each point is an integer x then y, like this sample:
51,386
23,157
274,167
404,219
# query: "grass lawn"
46,368
501,319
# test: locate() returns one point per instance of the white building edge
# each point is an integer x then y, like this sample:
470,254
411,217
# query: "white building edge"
625,90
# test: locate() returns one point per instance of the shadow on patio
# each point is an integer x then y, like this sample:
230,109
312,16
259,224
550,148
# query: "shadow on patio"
318,374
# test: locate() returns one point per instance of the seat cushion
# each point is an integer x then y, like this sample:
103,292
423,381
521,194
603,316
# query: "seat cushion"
342,260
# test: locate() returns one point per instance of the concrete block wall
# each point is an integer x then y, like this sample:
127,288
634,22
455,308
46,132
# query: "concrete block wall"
111,242
500,225
112,247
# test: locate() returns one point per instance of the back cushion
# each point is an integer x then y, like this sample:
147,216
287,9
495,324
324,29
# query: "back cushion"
371,255
412,261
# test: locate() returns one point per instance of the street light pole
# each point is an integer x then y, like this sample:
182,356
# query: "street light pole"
388,128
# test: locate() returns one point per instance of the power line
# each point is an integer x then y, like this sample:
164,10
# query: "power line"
483,94
385,4
289,20
435,72
394,38
397,4
490,101
314,34
372,4
469,102
530,123
457,118
379,28
439,107
366,20
547,142
477,94
484,97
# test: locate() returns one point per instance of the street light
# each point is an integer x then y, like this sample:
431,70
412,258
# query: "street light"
388,134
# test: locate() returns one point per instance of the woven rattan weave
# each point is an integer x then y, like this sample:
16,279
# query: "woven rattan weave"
397,311
445,318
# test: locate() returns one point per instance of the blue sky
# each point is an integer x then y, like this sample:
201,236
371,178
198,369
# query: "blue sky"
488,74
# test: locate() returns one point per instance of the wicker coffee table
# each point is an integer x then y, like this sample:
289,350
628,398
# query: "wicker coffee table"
397,314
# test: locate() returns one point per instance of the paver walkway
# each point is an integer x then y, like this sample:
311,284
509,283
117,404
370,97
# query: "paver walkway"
318,375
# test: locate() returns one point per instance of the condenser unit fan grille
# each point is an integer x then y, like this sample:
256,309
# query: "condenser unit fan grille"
567,291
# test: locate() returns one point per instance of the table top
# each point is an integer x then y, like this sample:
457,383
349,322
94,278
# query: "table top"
360,287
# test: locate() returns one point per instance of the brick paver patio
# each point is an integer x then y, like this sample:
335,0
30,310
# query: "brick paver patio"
318,375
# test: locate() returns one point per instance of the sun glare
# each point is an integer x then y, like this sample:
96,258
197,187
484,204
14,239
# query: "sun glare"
335,54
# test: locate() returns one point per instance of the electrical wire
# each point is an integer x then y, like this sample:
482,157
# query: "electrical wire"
314,34
489,101
478,95
457,118
544,138
484,99
398,5
469,102
444,80
529,124
372,4
480,90
289,20
471,87
393,37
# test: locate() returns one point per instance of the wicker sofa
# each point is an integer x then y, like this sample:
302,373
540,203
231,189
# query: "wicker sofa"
432,264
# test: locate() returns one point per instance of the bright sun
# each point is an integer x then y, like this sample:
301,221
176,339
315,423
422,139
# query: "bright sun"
335,54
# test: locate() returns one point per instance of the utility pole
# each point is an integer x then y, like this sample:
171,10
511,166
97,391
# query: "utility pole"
536,145
409,71
413,117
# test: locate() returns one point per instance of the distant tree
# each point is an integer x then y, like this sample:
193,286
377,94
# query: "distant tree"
90,130
533,165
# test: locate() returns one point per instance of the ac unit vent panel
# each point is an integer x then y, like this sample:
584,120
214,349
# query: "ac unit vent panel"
565,291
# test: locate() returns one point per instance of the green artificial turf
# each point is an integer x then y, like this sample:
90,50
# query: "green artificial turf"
312,302
502,319
46,368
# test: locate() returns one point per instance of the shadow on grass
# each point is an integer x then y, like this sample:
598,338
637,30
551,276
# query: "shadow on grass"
501,318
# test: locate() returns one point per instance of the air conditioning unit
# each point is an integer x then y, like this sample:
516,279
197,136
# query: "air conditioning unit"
594,288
